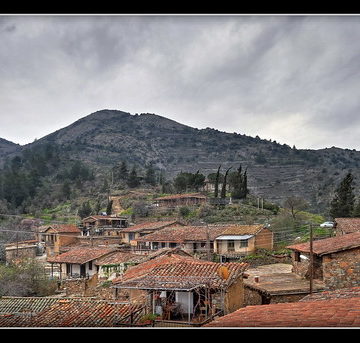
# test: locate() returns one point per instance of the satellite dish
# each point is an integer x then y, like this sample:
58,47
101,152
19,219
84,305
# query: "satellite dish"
223,272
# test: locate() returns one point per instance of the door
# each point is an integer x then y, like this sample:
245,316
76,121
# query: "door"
82,270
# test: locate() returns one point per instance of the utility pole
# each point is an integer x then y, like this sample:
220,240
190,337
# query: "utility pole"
311,259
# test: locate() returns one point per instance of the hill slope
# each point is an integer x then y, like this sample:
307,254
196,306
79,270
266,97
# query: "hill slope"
104,138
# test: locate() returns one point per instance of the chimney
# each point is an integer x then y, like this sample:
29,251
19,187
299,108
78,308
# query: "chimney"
256,279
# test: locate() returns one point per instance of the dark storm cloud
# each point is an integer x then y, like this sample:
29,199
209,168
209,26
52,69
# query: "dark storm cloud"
294,79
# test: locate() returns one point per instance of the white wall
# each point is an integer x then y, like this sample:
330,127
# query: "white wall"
183,299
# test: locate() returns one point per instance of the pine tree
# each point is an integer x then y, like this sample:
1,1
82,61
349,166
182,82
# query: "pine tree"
343,202
133,180
150,176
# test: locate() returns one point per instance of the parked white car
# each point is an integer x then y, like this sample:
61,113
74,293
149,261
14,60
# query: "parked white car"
327,224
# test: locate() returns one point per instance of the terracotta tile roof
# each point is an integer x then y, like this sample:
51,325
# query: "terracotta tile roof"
80,255
60,228
13,305
177,272
322,313
76,313
182,196
330,245
149,226
180,234
344,293
347,225
119,257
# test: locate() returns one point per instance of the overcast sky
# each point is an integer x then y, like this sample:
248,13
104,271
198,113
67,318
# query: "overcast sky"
293,79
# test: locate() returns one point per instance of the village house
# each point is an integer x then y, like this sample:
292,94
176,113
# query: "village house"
116,263
79,262
103,225
57,236
131,233
276,283
184,289
192,239
240,240
325,309
336,260
343,226
176,200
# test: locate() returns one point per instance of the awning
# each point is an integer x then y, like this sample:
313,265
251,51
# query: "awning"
234,237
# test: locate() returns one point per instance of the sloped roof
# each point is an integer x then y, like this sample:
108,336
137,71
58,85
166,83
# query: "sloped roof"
178,272
348,225
118,257
181,234
76,313
80,255
330,245
97,217
322,313
149,226
343,293
60,228
12,305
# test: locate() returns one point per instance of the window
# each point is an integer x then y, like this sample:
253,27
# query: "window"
231,246
297,256
243,243
90,265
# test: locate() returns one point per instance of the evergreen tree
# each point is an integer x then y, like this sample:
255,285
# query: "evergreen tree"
343,202
150,176
216,193
239,184
66,190
109,207
123,171
85,210
133,180
223,190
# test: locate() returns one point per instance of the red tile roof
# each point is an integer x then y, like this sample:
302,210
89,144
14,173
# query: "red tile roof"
76,313
80,255
61,228
180,234
344,293
150,226
330,245
173,271
347,225
118,257
321,313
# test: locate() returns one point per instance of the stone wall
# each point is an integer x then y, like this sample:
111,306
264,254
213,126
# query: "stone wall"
342,269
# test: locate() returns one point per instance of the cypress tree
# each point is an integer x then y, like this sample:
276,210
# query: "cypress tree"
217,182
223,190
343,202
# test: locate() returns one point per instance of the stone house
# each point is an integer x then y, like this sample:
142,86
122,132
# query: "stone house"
336,260
240,240
185,289
102,225
276,283
57,236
